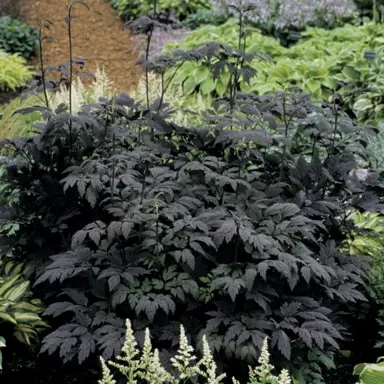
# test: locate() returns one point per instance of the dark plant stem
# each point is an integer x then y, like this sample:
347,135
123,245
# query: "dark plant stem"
42,65
149,38
286,123
113,168
70,61
237,245
143,189
70,7
164,89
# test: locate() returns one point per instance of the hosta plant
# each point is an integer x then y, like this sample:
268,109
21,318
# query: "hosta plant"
370,373
321,63
17,37
18,309
147,366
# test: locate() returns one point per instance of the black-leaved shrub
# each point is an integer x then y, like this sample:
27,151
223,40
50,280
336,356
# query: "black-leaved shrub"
233,229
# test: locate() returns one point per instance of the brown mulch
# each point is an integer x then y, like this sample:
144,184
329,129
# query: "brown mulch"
98,36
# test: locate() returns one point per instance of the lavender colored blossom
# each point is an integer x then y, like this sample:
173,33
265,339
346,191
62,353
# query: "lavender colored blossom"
289,13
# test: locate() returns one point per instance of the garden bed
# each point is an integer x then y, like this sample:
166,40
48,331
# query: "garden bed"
98,36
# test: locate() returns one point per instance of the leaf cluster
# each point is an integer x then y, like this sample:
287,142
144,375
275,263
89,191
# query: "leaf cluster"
17,37
17,307
14,71
320,63
130,10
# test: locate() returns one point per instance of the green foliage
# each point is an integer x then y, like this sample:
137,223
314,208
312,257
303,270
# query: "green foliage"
13,71
370,373
148,367
14,125
203,17
368,239
319,63
131,9
377,148
17,307
17,37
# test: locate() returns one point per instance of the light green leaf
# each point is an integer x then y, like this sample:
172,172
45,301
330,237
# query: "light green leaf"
208,86
189,85
17,292
351,73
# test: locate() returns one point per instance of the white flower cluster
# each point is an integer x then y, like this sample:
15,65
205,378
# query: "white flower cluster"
147,367
289,13
81,95
175,97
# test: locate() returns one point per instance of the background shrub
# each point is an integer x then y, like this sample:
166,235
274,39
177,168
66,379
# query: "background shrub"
13,71
321,63
130,10
11,8
17,37
272,15
203,17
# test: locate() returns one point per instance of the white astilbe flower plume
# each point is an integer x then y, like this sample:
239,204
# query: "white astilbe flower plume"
107,376
174,97
284,377
263,373
148,368
128,354
210,365
101,86
181,362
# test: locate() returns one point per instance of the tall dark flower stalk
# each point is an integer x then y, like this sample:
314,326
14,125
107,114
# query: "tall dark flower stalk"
70,80
44,24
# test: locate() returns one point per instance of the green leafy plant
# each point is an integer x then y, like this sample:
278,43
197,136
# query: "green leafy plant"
129,9
17,307
14,125
13,71
321,63
17,37
370,373
368,239
148,367
278,17
204,17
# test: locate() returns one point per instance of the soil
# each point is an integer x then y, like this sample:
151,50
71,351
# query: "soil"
98,37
